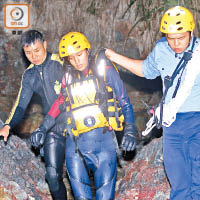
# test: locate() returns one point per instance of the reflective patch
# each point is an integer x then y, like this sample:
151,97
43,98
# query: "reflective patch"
89,121
57,87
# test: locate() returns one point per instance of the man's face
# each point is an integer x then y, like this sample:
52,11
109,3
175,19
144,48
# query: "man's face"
178,41
36,52
79,60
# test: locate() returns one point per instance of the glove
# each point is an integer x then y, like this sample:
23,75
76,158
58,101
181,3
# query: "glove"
129,139
37,137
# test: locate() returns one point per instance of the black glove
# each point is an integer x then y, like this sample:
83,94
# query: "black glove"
129,138
38,136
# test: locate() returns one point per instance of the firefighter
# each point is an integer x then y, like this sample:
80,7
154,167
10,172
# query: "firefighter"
96,102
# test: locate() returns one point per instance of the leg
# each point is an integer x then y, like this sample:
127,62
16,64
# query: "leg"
194,146
177,164
54,155
99,152
78,176
105,176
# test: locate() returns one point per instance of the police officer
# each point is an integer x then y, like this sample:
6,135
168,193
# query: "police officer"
176,59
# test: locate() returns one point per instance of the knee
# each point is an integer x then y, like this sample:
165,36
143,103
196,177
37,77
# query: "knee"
105,187
52,178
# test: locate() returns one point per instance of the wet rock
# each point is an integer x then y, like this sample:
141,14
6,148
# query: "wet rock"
144,177
22,173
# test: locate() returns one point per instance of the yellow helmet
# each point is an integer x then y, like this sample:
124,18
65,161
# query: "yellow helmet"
177,20
72,42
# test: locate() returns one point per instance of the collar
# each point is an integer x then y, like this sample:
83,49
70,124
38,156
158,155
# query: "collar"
86,71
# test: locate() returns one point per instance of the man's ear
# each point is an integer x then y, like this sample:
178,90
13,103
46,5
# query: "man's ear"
45,44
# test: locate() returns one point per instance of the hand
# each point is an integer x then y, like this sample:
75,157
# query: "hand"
129,138
110,54
37,137
5,132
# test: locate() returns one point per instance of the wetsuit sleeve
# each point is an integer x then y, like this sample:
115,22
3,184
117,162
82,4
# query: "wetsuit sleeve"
55,110
22,101
114,81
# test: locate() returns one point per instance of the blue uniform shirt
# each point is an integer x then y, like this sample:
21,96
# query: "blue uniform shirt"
162,61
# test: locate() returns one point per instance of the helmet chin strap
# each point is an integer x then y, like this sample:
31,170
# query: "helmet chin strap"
191,35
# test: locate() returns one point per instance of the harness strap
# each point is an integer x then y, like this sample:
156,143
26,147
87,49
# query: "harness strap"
116,111
168,81
77,150
113,114
110,95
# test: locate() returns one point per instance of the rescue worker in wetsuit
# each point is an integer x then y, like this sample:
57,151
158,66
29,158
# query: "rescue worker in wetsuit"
176,58
44,77
97,104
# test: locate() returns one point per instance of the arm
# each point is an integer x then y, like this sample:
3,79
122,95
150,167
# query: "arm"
38,136
58,105
5,132
134,66
55,110
21,103
113,79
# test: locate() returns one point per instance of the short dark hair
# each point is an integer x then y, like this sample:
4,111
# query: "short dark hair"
30,37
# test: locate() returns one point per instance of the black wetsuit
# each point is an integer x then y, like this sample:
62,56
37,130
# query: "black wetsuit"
45,80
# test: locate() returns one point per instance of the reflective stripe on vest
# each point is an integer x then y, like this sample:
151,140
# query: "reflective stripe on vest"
87,109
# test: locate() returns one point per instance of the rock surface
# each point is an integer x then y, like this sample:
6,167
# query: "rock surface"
144,177
22,173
